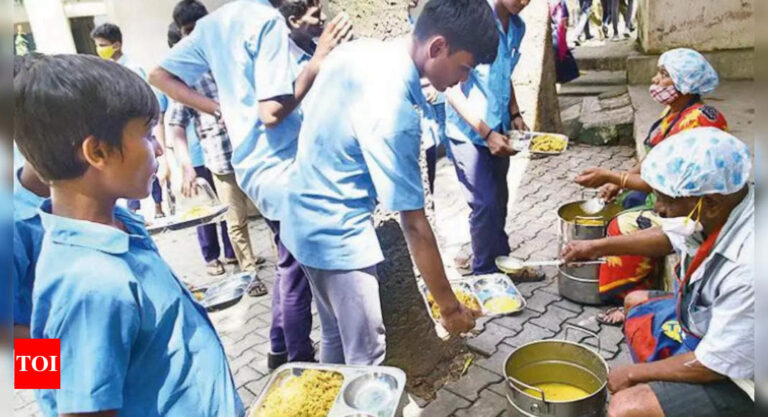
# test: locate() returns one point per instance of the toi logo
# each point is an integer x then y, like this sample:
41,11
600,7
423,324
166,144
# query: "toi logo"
37,364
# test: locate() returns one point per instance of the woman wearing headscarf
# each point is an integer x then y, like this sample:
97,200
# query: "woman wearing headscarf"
683,77
694,348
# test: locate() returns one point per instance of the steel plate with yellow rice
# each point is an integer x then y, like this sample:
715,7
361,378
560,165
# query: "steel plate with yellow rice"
197,212
311,394
548,144
464,297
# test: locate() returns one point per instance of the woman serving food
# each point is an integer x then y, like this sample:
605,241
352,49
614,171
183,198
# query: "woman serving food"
683,77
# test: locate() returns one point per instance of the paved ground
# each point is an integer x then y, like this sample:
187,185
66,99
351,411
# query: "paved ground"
537,188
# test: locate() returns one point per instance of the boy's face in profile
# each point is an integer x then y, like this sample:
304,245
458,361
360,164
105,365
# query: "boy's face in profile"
129,172
312,23
445,68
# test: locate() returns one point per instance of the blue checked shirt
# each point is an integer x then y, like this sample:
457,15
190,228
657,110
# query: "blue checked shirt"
214,139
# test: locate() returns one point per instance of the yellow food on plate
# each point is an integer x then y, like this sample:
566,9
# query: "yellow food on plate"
464,297
548,143
500,305
196,213
310,394
199,295
557,391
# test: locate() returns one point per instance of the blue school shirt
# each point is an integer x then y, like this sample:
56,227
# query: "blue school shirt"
359,144
27,238
488,87
245,45
132,337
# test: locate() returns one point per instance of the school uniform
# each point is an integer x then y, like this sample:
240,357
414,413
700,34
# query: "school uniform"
245,45
132,336
27,238
348,160
484,176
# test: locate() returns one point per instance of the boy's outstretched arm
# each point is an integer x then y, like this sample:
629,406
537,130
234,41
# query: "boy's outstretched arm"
180,92
423,247
273,110
498,144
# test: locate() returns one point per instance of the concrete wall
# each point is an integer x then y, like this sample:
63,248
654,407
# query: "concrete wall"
705,25
144,24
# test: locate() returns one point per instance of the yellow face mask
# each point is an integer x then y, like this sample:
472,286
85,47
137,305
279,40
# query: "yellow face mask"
105,52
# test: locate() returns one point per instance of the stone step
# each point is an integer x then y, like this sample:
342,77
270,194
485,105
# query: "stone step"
611,56
588,90
591,77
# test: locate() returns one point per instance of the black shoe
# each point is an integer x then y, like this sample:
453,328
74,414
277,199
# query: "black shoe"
275,360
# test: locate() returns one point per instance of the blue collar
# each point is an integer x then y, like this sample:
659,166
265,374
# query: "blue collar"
25,202
67,231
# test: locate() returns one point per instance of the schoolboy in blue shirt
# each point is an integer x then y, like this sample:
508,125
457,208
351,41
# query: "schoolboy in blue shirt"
28,193
479,112
133,340
348,159
244,44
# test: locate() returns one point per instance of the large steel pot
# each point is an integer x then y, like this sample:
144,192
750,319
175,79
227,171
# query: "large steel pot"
559,361
580,282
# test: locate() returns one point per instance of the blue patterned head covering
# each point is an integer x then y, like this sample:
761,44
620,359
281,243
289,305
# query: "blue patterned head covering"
690,71
698,162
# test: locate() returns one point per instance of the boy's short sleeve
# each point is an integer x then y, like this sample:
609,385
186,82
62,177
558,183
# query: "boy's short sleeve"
274,70
393,163
97,328
187,59
21,265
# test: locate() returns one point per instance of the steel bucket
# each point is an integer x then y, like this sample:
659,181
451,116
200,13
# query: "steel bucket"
559,361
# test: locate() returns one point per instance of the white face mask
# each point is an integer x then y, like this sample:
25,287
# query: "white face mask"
684,227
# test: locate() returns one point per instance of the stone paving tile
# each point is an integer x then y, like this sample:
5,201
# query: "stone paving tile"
554,318
245,375
623,357
586,319
485,343
564,303
540,300
489,404
475,380
515,322
445,404
495,362
530,333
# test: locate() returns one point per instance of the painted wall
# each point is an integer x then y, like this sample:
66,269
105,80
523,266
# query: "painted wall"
144,24
705,25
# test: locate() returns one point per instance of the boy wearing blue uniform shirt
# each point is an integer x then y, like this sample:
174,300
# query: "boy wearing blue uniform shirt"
478,112
134,342
349,159
28,193
244,45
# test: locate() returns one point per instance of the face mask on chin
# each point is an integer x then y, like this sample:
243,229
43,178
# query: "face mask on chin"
664,95
684,227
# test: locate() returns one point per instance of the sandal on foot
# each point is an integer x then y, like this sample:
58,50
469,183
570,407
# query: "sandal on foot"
612,317
214,268
230,261
256,288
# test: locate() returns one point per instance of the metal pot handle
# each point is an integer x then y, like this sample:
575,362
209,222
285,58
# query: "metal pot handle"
588,332
526,386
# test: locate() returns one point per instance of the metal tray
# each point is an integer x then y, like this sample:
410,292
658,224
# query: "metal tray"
483,288
522,141
382,384
175,222
491,286
225,293
464,285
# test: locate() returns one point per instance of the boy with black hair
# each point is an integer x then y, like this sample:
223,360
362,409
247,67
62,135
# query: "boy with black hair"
134,342
244,45
29,191
306,21
348,160
479,112
109,45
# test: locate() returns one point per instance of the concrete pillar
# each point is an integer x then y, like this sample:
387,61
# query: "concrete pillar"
50,26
